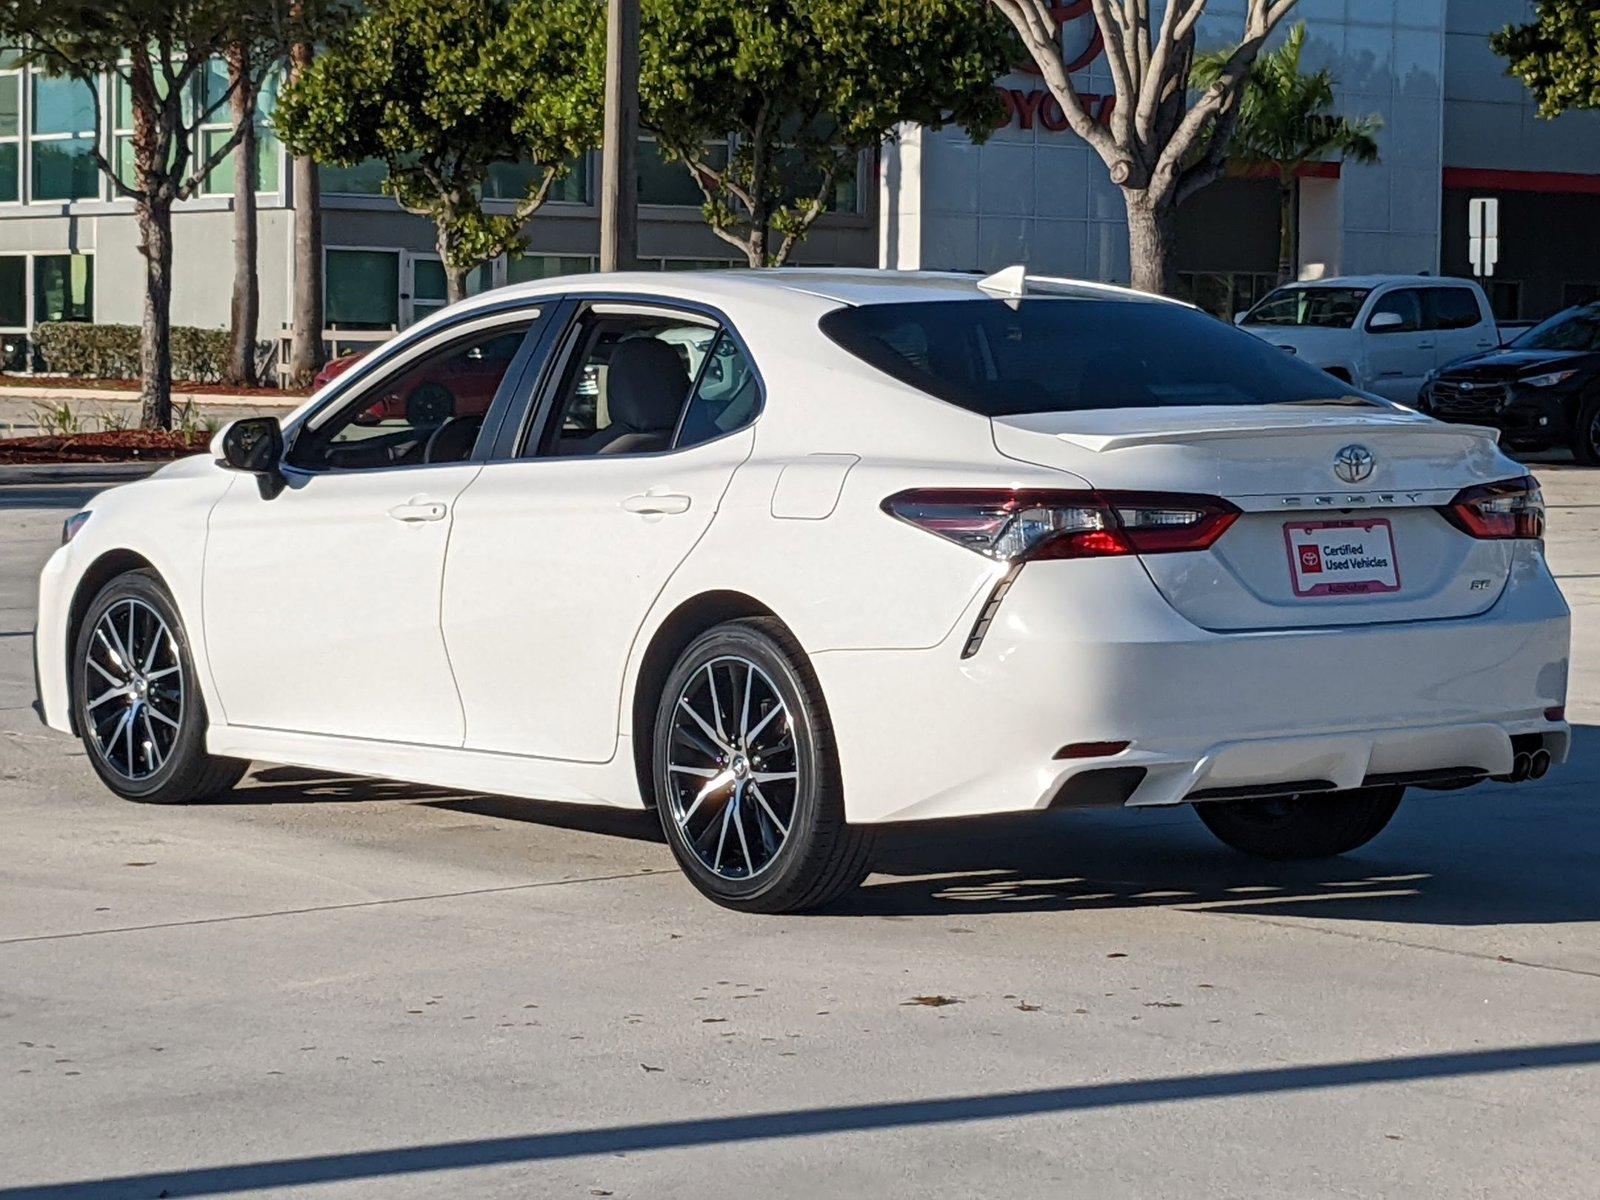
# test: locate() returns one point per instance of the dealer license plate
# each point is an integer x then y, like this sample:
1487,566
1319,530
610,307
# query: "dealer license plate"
1341,558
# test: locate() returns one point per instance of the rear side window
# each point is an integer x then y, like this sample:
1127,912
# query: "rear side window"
1453,308
1006,358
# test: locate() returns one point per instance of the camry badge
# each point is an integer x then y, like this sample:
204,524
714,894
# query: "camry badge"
1353,463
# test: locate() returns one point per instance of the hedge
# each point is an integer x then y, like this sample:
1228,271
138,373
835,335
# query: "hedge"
112,351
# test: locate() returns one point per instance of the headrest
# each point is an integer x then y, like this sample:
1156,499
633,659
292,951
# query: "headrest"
646,385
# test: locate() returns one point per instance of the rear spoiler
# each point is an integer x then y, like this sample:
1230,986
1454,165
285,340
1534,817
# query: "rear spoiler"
1014,282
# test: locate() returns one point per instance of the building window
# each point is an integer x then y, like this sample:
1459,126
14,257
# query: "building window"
1225,294
691,264
63,287
672,183
511,181
530,267
13,312
1505,297
219,128
63,139
10,137
362,289
364,179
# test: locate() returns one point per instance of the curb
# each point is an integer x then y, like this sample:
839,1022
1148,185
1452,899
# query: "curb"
32,475
106,396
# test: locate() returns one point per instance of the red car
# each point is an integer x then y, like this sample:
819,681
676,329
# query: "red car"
459,386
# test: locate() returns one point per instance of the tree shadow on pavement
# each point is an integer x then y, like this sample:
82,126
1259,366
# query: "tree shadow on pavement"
1495,854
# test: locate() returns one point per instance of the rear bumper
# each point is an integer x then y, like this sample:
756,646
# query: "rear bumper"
1088,652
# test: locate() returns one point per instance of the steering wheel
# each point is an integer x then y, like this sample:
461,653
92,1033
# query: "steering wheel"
430,404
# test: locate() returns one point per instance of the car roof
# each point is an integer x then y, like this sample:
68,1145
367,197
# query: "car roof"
1372,281
841,285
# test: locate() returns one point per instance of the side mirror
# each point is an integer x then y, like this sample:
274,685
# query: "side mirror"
1386,322
1238,317
254,445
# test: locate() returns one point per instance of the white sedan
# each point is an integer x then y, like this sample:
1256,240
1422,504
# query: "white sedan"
790,554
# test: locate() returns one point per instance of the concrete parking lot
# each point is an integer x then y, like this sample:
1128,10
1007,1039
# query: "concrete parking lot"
337,987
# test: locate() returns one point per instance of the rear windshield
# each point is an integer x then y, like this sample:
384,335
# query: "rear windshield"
1311,307
1005,358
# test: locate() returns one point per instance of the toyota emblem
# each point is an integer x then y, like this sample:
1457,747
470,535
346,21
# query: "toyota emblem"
1353,463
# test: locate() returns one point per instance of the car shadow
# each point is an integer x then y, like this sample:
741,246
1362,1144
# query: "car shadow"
1492,855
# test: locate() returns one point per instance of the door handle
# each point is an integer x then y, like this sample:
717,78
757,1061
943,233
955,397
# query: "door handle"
1424,345
416,510
657,504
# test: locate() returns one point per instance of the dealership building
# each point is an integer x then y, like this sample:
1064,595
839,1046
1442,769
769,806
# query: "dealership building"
1455,127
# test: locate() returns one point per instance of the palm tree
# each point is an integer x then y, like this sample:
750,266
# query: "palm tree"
1285,122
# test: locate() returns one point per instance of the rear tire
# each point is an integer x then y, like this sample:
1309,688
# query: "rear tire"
1586,433
136,701
1301,827
747,777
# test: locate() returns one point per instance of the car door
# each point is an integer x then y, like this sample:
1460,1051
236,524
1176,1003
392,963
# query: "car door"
559,552
1461,326
1398,355
321,599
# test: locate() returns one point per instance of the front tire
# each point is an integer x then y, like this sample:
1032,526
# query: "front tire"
136,701
1586,433
746,775
1301,827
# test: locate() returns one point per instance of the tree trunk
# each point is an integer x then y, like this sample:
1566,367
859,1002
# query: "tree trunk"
1152,240
455,278
155,337
246,286
306,319
1288,228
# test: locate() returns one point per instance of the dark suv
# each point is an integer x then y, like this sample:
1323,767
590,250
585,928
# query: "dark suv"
1541,391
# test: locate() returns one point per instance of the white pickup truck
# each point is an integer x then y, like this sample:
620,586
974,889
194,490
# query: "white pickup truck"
1381,333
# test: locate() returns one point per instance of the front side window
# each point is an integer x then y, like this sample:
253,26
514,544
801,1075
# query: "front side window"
1313,307
1405,303
1005,358
430,411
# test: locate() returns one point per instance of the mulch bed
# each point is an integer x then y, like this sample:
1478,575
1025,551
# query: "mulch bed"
122,445
179,387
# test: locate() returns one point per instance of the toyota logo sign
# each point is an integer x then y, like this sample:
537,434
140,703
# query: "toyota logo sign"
1353,463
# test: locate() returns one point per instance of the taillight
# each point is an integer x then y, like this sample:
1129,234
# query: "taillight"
1512,508
1027,525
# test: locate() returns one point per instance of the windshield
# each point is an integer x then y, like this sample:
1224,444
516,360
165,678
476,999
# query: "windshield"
1574,329
1004,358
1317,307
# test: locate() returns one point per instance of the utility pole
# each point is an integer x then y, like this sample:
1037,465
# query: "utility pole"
619,149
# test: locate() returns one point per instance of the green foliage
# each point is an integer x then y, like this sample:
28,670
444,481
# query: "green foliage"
57,418
805,86
441,90
112,351
1557,54
1285,117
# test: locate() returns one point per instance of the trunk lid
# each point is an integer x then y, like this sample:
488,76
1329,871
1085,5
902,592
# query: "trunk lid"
1277,464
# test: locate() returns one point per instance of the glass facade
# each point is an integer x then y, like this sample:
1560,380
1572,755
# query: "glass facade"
62,142
63,287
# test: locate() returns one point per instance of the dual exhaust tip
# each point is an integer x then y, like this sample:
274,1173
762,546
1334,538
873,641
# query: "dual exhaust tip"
1526,766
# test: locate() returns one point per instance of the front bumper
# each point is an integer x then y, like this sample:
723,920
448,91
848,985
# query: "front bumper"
1525,416
1088,651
